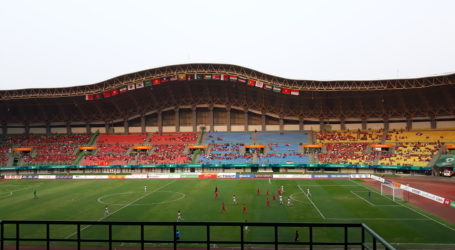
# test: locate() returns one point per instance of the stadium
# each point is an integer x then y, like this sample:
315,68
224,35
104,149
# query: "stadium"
223,156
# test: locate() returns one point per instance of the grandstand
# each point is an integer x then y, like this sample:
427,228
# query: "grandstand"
220,121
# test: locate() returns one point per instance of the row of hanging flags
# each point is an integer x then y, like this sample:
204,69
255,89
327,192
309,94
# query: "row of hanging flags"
191,77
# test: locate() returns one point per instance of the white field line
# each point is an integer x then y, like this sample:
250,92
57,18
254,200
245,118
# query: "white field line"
424,215
317,209
125,206
330,185
381,219
362,198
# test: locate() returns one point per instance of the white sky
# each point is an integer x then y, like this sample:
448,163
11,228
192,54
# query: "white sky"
65,43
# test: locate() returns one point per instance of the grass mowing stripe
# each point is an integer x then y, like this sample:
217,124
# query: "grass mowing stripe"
412,209
317,209
362,198
125,206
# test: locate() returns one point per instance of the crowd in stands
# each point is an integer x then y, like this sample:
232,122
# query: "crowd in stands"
55,149
346,147
165,154
49,159
350,136
282,158
34,140
420,136
229,158
283,148
181,137
411,154
108,159
346,158
226,148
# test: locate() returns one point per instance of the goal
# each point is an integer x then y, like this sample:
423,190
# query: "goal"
390,190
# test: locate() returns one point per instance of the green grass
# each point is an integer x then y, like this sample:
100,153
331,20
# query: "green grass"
330,201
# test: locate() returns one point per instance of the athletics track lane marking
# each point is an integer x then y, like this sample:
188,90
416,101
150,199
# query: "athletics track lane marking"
424,215
125,206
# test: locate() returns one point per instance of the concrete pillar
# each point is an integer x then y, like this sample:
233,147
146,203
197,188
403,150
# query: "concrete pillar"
160,121
408,123
364,123
126,126
177,119
281,123
27,128
343,124
106,127
68,127
211,119
301,123
194,118
4,128
263,121
433,122
88,129
386,123
48,128
228,118
245,121
321,124
143,123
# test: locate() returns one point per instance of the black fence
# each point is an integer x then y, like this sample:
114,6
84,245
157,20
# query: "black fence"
14,234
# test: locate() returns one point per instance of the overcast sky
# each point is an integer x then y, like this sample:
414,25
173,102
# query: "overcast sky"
66,43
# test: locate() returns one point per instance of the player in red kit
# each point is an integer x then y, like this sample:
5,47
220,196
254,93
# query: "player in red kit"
274,197
244,209
223,208
258,191
279,191
267,202
267,191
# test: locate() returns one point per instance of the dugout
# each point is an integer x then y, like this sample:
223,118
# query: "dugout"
202,148
385,148
312,148
255,148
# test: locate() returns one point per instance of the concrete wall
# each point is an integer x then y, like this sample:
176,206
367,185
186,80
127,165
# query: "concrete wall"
78,130
445,124
59,130
254,127
291,127
421,125
220,128
397,125
37,130
168,128
237,128
354,126
375,125
272,127
186,129
135,129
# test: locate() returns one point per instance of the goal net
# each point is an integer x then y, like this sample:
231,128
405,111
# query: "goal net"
390,190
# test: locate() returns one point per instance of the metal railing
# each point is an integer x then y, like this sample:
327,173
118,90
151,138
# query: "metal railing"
365,238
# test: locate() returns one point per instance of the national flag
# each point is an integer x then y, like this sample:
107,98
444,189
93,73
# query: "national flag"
107,94
207,77
225,77
89,97
251,82
276,89
259,84
98,96
295,92
131,86
114,92
156,81
181,77
289,162
124,89
233,78
190,77
148,83
447,202
216,77
268,86
242,80
199,76
139,85
174,78
164,79
286,91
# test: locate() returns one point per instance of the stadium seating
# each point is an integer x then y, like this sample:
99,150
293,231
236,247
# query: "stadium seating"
350,136
246,138
346,158
166,154
411,154
281,137
181,137
282,158
122,139
226,159
283,148
421,136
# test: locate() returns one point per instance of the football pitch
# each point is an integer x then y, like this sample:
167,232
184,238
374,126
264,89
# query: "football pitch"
331,200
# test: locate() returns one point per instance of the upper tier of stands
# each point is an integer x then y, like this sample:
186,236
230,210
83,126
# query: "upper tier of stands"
125,139
246,138
283,137
421,136
350,136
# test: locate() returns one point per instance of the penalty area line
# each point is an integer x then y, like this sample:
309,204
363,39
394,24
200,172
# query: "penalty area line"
125,206
317,209
415,211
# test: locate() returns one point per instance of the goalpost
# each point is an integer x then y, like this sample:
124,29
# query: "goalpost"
388,189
